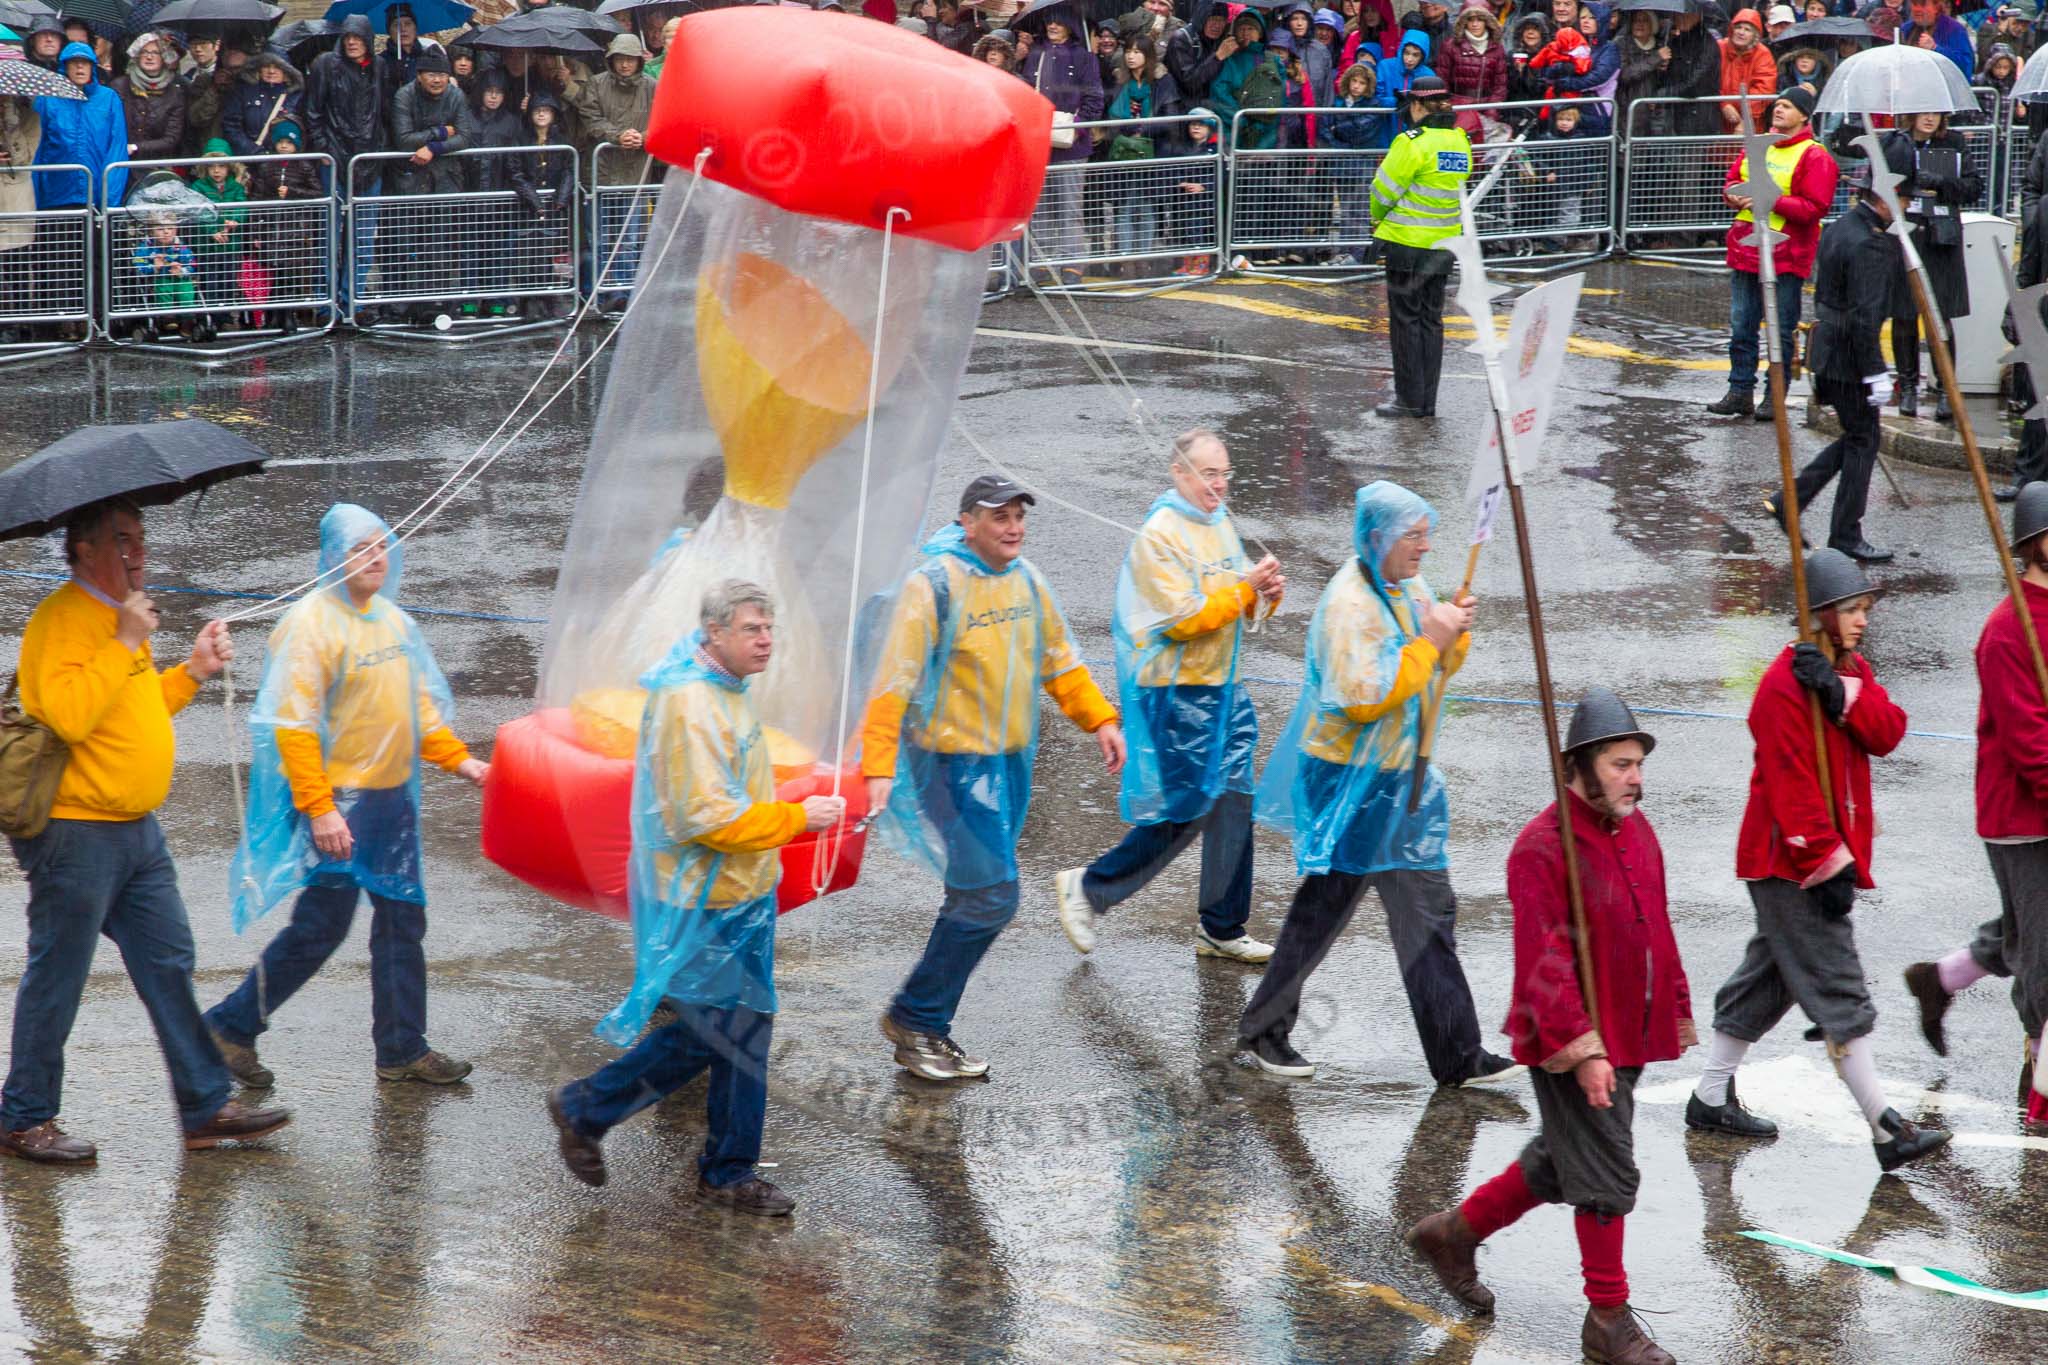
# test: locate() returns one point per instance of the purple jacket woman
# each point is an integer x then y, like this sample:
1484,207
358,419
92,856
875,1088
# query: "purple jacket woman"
1067,74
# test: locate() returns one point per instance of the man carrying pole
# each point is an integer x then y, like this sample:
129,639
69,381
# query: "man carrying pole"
2012,818
1804,849
1186,590
1584,1074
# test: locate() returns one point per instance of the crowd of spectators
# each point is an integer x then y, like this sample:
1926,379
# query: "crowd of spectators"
1538,70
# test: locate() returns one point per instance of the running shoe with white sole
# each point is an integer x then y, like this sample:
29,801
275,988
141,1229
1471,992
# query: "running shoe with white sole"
923,1055
1077,916
970,1067
1243,948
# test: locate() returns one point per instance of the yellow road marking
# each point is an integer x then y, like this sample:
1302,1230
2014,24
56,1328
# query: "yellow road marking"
1392,1298
1461,330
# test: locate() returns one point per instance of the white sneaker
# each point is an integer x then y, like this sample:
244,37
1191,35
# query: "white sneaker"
1244,948
1077,916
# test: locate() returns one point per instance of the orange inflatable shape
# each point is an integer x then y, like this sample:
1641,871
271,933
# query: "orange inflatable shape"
840,117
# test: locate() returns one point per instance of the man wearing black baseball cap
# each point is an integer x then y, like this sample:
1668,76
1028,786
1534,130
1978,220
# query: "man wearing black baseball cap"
947,746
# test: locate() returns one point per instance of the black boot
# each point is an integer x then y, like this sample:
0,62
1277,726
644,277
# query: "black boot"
1728,1117
1908,1141
1764,411
1942,411
1734,403
1909,395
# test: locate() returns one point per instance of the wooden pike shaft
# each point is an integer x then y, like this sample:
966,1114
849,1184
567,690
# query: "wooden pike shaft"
1788,503
1432,711
1944,366
1582,946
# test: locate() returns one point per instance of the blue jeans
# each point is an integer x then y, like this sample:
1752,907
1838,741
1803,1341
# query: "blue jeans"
93,877
733,1043
320,924
1746,317
1226,885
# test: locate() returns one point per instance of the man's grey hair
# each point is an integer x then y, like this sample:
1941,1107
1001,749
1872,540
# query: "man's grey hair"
88,522
1185,445
723,599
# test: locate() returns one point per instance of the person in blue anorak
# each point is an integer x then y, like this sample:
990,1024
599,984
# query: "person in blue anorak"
1186,590
947,745
350,703
91,132
1340,783
701,883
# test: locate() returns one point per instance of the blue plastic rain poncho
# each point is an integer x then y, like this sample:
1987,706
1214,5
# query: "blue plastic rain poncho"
364,687
703,916
1338,781
92,132
1189,725
955,714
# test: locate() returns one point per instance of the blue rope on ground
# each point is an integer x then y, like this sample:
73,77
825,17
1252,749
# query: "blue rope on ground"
1468,698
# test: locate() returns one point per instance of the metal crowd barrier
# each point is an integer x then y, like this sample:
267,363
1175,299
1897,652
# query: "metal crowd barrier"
229,277
472,256
1148,220
620,216
1554,202
46,273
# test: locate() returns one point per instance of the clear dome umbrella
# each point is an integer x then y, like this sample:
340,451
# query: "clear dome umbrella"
1896,79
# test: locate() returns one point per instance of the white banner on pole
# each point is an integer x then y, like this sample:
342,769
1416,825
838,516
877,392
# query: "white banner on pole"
1538,331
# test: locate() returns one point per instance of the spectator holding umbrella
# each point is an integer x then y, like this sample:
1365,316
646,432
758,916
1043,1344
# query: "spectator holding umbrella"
92,132
272,89
1693,74
152,101
1938,186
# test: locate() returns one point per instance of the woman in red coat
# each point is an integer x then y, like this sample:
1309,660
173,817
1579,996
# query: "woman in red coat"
1583,1063
1804,860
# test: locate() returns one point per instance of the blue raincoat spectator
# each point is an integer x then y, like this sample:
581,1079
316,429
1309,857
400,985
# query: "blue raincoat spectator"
701,881
1182,600
92,132
350,703
1409,64
1339,781
948,742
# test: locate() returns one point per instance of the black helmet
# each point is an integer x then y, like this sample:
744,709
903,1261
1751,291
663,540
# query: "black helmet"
2029,513
1601,716
1833,577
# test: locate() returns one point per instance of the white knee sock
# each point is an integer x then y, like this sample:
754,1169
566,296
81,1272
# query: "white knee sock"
1857,1066
2041,1064
1724,1054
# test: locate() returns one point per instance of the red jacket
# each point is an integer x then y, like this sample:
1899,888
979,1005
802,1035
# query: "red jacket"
1645,1003
1786,831
1475,77
2012,725
1801,205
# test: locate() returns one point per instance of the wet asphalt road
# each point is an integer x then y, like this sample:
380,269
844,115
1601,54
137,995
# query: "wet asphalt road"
1122,1189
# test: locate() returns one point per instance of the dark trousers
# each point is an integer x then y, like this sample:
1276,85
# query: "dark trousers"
731,1043
114,877
2032,463
320,924
1746,319
1852,455
1800,955
1226,885
2016,943
1421,919
1906,345
1582,1156
1416,278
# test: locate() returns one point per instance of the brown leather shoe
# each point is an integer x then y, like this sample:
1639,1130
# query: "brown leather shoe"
1612,1336
430,1066
47,1142
752,1195
237,1122
1923,979
580,1154
1445,1240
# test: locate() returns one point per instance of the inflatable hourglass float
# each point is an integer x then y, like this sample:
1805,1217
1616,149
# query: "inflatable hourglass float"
804,309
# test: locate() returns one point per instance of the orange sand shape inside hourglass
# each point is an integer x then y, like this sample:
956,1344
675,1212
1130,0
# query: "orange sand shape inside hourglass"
785,376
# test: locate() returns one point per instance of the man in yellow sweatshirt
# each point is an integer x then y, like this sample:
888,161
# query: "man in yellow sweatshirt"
351,702
947,746
100,866
701,882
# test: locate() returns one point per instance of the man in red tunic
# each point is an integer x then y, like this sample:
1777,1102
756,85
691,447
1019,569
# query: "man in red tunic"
1804,861
2012,816
1584,1072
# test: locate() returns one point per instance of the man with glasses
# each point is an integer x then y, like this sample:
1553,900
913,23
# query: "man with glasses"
1186,590
1345,785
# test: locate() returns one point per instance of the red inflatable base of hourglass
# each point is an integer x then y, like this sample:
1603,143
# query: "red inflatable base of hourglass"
558,817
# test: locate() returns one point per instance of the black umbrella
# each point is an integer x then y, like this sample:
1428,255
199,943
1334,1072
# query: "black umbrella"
1032,17
543,30
149,463
108,14
557,17
1831,29
21,15
1654,6
306,39
183,13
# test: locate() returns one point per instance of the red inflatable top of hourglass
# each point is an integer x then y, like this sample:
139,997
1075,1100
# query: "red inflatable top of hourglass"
845,118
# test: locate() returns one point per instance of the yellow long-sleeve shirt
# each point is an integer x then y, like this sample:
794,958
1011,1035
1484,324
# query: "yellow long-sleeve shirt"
107,702
985,702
